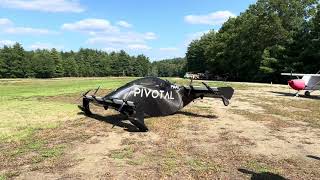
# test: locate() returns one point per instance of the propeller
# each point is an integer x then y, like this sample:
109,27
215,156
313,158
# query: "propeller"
84,94
95,92
120,108
125,99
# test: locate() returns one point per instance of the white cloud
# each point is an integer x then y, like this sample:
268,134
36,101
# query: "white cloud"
124,24
122,38
103,32
111,40
92,26
170,49
215,18
27,30
139,47
194,36
8,27
6,42
5,22
39,45
45,6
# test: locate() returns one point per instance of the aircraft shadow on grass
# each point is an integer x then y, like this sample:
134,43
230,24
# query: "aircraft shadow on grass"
118,119
115,120
292,95
313,157
197,115
262,175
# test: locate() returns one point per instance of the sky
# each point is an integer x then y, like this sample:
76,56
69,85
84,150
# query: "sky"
159,29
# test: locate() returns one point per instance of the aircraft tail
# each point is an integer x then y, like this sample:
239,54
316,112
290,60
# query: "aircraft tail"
225,93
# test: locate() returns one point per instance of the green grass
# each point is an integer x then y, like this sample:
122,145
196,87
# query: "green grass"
126,153
29,145
40,150
3,177
136,161
170,161
52,152
21,115
51,87
201,166
9,175
259,167
19,119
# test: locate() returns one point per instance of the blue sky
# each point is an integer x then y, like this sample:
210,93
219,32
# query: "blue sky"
158,29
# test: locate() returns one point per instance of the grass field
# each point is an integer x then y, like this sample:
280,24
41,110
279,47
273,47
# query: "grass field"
265,132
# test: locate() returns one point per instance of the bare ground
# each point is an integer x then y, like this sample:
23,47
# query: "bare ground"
265,133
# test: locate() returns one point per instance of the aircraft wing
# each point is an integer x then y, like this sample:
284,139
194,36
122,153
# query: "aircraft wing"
298,74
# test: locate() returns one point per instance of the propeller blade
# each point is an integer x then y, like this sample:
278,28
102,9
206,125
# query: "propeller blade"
86,93
96,90
208,87
83,95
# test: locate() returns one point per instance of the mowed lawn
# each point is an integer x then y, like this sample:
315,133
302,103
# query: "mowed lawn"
22,109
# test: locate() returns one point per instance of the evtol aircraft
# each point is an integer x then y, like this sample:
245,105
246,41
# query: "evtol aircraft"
308,82
152,96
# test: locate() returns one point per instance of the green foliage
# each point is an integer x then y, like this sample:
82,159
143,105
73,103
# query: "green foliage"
43,65
15,62
196,53
168,68
70,67
271,36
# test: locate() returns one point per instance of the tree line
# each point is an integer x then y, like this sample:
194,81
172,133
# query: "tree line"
15,62
175,67
270,37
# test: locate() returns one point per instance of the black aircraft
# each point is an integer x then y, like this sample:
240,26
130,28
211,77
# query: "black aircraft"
151,96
